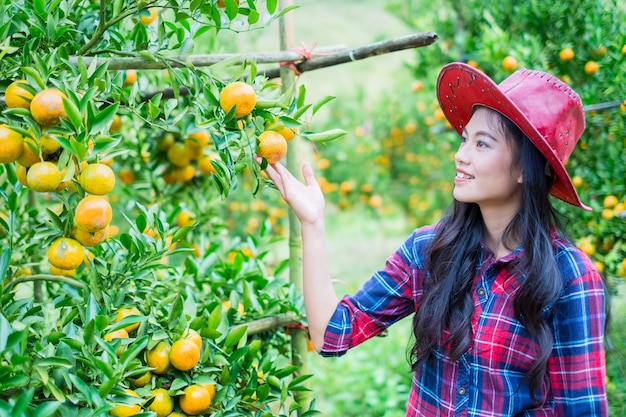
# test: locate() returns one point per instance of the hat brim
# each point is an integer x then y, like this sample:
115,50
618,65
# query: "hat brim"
461,87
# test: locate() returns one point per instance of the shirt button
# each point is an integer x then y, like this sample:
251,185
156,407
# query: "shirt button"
481,291
461,391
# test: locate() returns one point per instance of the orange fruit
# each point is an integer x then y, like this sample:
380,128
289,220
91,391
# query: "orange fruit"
566,54
185,218
116,124
610,201
194,336
130,77
93,213
577,181
47,107
97,179
126,175
16,96
48,144
204,163
62,272
44,177
195,400
184,354
159,359
417,85
163,403
66,253
179,155
117,334
509,63
90,239
272,146
11,145
125,312
591,67
196,141
147,19
29,155
166,140
141,380
126,410
239,95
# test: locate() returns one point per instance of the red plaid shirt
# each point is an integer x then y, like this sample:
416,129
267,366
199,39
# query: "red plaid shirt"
489,379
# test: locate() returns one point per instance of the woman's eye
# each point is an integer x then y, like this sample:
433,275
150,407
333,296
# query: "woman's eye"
481,144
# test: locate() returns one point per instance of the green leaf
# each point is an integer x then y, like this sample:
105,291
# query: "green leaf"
46,408
22,402
325,136
103,119
234,336
5,260
215,318
73,113
320,103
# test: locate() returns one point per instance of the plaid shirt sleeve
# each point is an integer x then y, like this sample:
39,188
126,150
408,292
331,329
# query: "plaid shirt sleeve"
388,296
577,366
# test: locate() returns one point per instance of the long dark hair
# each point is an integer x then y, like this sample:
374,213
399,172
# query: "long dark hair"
453,257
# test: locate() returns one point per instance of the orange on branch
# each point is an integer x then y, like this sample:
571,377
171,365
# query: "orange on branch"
130,78
239,95
195,400
11,145
29,156
204,163
97,179
47,107
66,253
272,146
149,18
163,403
44,177
93,213
591,67
117,334
566,54
17,96
509,63
126,410
196,141
159,358
179,155
194,336
90,239
123,312
48,144
184,354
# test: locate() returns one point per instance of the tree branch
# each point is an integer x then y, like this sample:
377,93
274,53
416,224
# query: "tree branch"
47,277
266,324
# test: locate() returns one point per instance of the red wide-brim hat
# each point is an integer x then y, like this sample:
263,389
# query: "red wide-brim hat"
545,109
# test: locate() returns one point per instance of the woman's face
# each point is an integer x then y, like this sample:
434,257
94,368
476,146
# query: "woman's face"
485,172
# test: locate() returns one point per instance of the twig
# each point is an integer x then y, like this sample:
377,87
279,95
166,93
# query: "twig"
147,63
266,324
46,277
416,40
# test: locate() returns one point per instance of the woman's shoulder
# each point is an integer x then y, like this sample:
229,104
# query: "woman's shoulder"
572,262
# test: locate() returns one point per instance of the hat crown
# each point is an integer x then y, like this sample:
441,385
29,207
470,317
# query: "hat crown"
550,105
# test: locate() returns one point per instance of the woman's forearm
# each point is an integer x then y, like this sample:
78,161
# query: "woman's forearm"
320,298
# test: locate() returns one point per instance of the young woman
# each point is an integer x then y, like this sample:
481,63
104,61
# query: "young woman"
509,316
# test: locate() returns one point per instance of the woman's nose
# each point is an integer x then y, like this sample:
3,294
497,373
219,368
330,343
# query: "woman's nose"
461,155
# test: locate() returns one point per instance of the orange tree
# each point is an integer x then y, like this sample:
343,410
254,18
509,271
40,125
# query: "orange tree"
129,283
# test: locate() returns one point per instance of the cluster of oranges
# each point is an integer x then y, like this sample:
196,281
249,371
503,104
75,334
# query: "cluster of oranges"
36,157
37,167
182,355
187,156
272,143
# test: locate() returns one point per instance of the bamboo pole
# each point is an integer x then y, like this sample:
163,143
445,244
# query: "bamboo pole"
299,335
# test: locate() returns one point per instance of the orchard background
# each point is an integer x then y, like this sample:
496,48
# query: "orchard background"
194,256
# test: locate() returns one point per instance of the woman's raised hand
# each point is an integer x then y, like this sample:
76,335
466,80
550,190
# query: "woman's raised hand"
306,199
